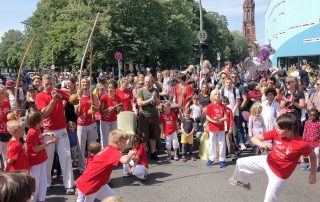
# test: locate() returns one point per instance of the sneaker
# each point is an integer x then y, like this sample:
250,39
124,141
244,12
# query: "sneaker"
193,158
303,167
222,164
176,158
169,157
184,158
70,191
242,147
234,157
210,163
238,183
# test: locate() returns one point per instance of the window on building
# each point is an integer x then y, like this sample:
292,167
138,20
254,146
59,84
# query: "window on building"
248,30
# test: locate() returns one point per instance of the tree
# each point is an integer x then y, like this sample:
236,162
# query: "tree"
11,49
239,48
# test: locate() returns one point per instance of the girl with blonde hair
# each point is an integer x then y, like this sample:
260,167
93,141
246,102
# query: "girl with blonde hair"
256,124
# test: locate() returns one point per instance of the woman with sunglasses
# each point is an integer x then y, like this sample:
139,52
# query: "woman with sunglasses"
293,100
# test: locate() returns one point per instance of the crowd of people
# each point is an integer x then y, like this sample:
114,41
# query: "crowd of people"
60,122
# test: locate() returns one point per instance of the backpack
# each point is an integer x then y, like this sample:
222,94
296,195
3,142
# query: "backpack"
234,92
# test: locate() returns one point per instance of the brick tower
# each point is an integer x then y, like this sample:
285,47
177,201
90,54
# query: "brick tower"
248,27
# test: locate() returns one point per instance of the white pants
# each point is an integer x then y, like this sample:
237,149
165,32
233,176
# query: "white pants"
85,134
39,172
257,164
105,129
213,138
3,151
63,150
172,140
140,171
103,192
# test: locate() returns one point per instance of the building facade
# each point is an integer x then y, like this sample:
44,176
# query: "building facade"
293,29
248,26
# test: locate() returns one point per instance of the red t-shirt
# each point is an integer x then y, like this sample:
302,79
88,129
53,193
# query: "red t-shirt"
98,172
57,119
184,96
34,138
285,153
255,94
84,118
143,155
230,117
97,116
18,154
216,112
109,102
169,123
126,97
4,107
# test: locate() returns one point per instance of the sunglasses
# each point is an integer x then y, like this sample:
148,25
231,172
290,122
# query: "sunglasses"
288,82
234,76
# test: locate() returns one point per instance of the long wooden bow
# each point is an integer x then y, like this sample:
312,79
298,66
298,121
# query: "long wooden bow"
20,69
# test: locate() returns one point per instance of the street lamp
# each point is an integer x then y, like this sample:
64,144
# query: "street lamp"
201,28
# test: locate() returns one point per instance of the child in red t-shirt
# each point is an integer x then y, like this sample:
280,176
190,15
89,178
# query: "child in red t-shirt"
93,149
139,162
37,155
216,116
17,155
93,182
254,94
280,163
169,123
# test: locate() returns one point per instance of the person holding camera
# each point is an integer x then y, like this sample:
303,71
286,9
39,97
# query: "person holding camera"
50,103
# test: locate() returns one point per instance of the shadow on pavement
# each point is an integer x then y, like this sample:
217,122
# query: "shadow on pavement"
134,181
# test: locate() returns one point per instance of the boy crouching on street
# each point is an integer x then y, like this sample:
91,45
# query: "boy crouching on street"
93,183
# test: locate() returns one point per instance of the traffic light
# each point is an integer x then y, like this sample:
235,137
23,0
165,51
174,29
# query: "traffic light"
204,46
196,47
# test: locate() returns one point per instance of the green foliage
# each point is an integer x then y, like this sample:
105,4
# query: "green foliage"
145,31
11,49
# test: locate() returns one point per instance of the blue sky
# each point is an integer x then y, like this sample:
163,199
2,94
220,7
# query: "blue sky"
12,12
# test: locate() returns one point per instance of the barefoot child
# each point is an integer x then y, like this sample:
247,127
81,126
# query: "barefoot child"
17,155
37,155
280,163
139,162
93,183
169,123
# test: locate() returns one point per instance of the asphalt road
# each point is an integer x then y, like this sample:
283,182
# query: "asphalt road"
193,181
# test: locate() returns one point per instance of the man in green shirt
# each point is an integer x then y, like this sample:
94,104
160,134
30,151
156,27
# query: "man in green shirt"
148,118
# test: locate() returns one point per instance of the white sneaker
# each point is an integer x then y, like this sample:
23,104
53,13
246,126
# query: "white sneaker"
242,147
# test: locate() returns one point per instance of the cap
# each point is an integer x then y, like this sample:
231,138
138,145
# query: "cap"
10,83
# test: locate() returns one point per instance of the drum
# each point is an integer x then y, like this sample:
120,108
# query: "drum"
127,121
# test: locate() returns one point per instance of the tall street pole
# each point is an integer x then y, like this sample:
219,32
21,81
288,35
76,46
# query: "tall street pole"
201,28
